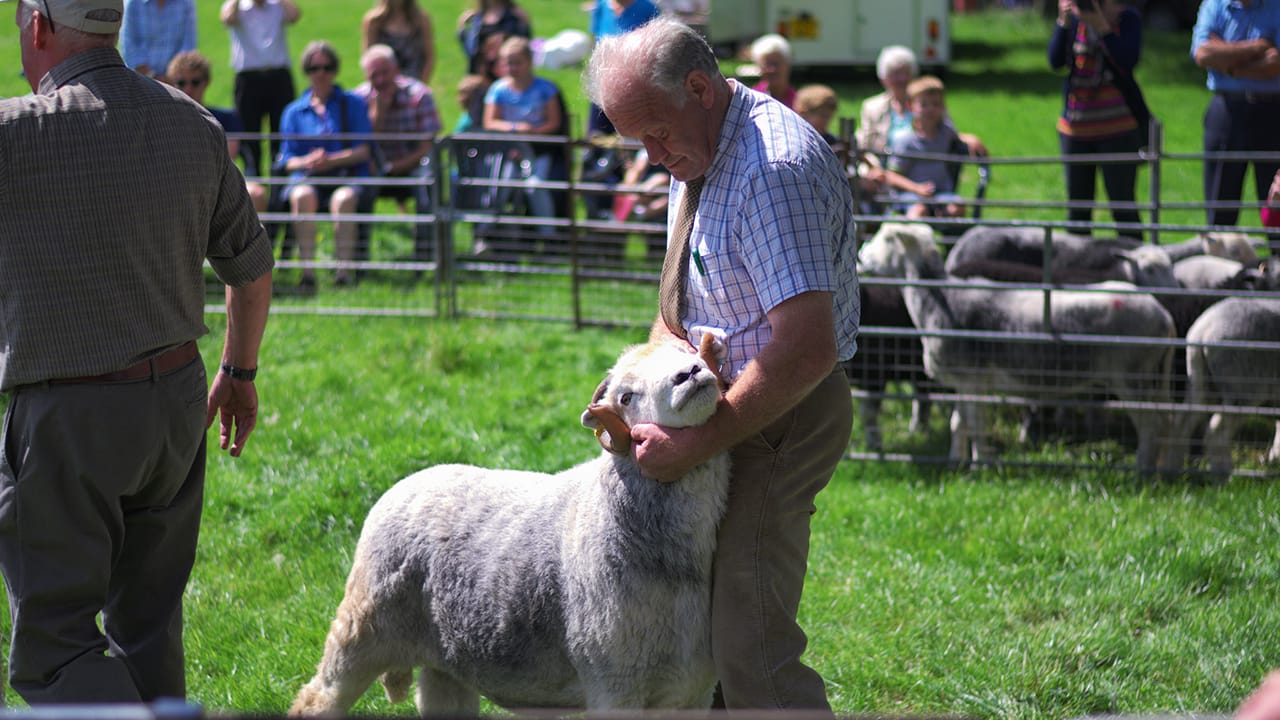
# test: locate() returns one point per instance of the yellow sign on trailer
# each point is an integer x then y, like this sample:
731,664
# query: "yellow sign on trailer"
837,32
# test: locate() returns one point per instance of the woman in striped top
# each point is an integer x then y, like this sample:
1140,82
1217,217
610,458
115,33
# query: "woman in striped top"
1099,42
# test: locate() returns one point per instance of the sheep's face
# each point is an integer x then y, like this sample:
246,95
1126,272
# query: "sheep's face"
1231,245
656,383
886,252
1151,266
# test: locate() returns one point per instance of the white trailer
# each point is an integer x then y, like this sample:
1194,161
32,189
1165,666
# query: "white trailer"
837,32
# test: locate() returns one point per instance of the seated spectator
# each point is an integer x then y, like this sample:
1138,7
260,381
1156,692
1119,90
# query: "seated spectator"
320,116
406,29
650,204
818,104
482,31
190,72
884,114
923,179
1271,211
772,54
471,92
401,104
520,102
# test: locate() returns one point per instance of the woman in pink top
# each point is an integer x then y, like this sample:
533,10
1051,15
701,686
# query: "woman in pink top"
772,54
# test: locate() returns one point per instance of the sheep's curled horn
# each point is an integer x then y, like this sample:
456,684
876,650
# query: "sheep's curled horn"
619,442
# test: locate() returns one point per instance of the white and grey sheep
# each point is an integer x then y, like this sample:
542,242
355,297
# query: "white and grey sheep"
589,588
1037,370
1220,373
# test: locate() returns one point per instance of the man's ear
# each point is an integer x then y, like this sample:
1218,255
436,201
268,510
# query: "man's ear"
699,86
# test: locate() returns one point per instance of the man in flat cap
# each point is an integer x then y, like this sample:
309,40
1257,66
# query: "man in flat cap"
117,188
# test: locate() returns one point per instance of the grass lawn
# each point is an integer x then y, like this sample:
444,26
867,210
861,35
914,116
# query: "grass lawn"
1022,593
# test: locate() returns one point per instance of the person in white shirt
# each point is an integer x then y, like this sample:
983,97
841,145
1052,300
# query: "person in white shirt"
260,57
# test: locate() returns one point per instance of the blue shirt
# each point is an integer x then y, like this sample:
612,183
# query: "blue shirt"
516,106
775,220
300,119
151,35
1231,21
605,23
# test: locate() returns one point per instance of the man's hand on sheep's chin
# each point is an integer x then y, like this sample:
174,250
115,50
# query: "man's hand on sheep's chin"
668,454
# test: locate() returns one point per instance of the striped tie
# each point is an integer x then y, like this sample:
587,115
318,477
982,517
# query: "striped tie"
675,267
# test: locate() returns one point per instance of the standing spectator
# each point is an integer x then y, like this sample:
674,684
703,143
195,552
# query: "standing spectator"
401,104
521,102
1099,42
764,260
154,31
319,120
190,72
406,29
483,29
1235,40
260,57
107,225
611,17
772,54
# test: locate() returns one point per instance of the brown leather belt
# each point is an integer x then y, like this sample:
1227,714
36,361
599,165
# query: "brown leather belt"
165,362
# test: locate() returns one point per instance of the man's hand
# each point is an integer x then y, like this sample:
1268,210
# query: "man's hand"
667,454
237,403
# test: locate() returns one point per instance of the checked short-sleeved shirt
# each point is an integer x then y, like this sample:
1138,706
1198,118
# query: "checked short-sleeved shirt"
412,111
116,189
775,220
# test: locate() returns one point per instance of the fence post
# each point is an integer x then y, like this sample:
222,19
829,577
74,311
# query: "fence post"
575,234
1155,150
1047,278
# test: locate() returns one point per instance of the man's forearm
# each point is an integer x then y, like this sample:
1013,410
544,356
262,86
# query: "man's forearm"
247,308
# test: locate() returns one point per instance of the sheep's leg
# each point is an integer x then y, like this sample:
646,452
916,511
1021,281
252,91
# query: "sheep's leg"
1149,430
979,433
442,696
920,408
1274,455
1179,445
351,659
869,410
959,436
1217,443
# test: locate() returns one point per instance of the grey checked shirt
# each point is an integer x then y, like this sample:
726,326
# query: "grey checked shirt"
115,190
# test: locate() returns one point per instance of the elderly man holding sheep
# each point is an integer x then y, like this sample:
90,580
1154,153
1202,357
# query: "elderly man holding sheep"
761,252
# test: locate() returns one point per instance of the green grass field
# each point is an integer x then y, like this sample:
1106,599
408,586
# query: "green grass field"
1022,593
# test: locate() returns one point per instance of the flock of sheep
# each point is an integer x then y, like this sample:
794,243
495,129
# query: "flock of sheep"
1170,334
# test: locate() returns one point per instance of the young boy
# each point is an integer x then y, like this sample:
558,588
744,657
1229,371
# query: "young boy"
919,179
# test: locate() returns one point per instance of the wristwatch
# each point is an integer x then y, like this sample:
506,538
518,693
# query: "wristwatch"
236,373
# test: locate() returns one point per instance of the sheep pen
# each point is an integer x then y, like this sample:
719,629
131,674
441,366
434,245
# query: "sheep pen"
589,588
